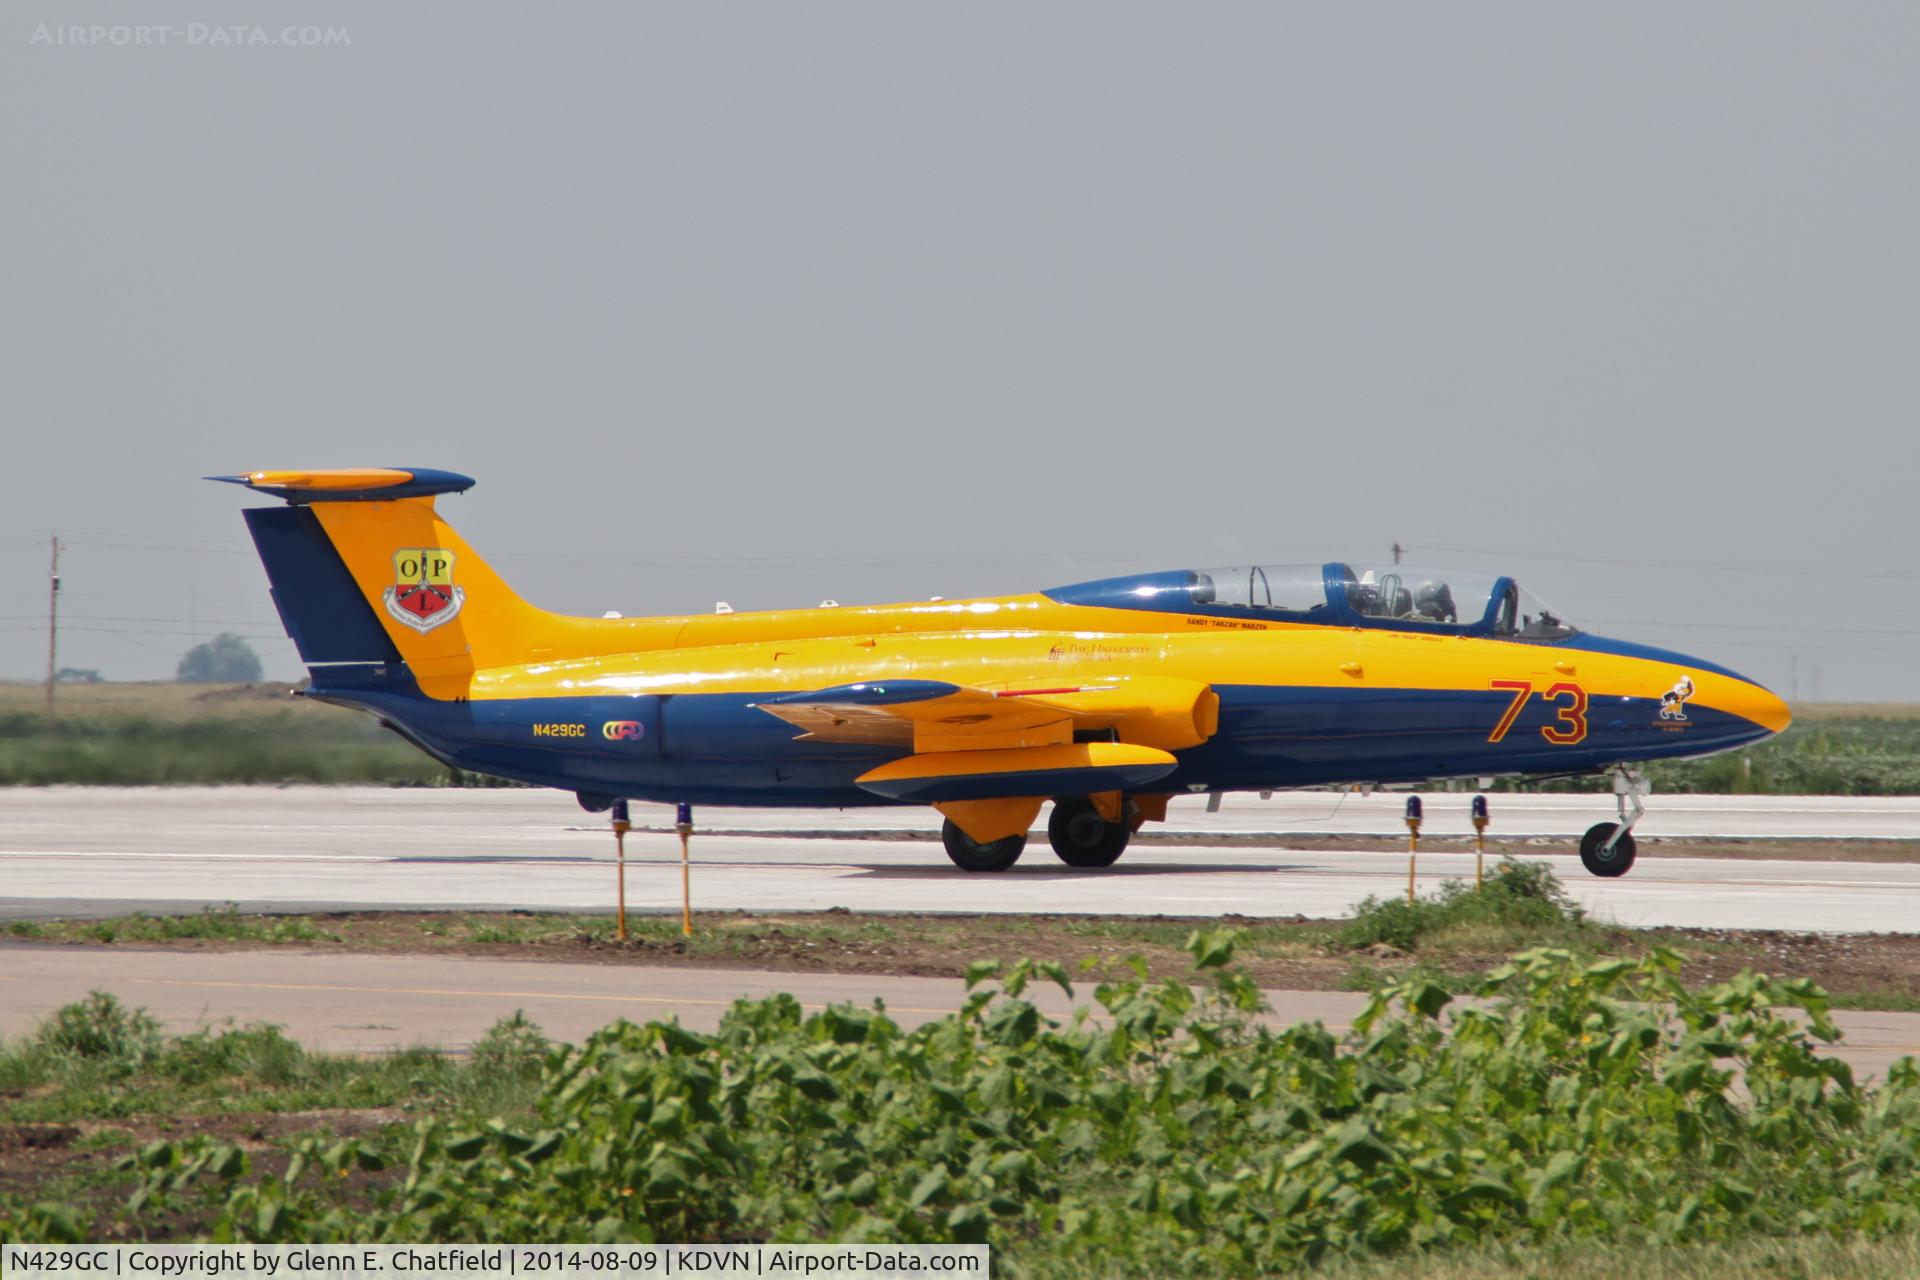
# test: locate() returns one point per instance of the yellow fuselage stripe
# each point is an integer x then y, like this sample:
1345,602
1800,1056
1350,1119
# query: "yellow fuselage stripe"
1079,645
500,647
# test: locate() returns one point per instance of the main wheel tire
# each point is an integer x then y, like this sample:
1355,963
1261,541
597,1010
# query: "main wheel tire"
1601,860
1082,838
969,854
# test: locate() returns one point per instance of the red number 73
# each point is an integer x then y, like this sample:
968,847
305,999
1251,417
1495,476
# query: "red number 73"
1570,716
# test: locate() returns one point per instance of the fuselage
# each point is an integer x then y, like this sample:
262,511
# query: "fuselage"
669,711
1107,698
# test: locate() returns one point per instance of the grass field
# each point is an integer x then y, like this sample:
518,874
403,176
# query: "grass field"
1829,750
135,734
143,734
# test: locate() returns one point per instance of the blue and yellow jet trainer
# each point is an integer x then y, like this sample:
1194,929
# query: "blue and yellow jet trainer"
1106,697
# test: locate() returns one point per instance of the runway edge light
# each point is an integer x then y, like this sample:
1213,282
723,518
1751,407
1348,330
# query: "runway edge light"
1413,840
622,823
1480,820
683,823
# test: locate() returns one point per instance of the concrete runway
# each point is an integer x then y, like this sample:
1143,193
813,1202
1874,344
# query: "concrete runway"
73,850
390,820
372,1003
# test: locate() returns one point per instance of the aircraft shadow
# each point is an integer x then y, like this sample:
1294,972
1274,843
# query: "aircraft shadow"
447,859
871,870
1068,873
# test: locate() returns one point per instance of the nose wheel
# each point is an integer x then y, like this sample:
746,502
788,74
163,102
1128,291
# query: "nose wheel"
1608,848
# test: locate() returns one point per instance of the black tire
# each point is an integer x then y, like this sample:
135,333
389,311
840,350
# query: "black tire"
1082,838
1603,861
969,854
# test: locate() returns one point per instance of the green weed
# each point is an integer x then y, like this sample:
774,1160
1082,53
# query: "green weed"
217,924
512,1047
1590,1106
101,1030
98,1060
1520,902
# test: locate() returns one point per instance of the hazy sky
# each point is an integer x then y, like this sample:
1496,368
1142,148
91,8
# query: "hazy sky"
774,302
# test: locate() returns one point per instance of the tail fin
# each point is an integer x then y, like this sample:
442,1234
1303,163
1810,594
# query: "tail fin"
365,570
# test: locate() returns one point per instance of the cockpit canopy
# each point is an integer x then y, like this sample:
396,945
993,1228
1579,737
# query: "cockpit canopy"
1337,594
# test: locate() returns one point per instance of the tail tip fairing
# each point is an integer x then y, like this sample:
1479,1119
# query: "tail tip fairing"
352,484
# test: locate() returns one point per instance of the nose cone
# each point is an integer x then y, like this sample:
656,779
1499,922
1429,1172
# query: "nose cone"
1759,704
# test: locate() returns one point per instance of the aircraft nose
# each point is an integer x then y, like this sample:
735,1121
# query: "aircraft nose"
1759,704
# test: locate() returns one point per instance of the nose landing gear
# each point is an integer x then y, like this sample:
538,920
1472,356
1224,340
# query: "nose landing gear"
1608,848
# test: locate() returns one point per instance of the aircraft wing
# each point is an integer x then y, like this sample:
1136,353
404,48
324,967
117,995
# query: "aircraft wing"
935,716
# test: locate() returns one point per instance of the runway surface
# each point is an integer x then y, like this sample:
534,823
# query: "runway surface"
72,850
370,1003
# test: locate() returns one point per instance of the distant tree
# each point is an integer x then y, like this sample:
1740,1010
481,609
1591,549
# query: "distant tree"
225,659
78,675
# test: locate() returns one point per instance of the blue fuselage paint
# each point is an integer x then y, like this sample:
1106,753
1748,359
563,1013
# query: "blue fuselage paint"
721,749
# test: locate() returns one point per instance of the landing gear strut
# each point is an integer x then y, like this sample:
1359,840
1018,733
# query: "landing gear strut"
1082,838
969,854
1608,848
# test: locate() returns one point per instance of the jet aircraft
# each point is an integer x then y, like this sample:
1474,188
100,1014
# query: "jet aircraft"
1107,698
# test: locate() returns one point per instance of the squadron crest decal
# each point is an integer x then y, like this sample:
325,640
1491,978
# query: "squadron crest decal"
1673,703
423,595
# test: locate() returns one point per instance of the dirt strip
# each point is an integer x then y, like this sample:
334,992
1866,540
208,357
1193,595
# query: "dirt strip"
1872,970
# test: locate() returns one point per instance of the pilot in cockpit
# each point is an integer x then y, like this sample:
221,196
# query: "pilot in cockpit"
1433,601
1385,596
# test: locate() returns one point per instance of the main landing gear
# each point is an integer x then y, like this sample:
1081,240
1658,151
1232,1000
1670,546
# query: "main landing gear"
969,854
1082,838
1079,832
1608,848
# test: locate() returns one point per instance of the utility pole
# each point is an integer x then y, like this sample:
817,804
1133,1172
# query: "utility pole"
1397,551
53,619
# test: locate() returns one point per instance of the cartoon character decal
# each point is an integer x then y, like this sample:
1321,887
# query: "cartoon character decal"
1673,703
